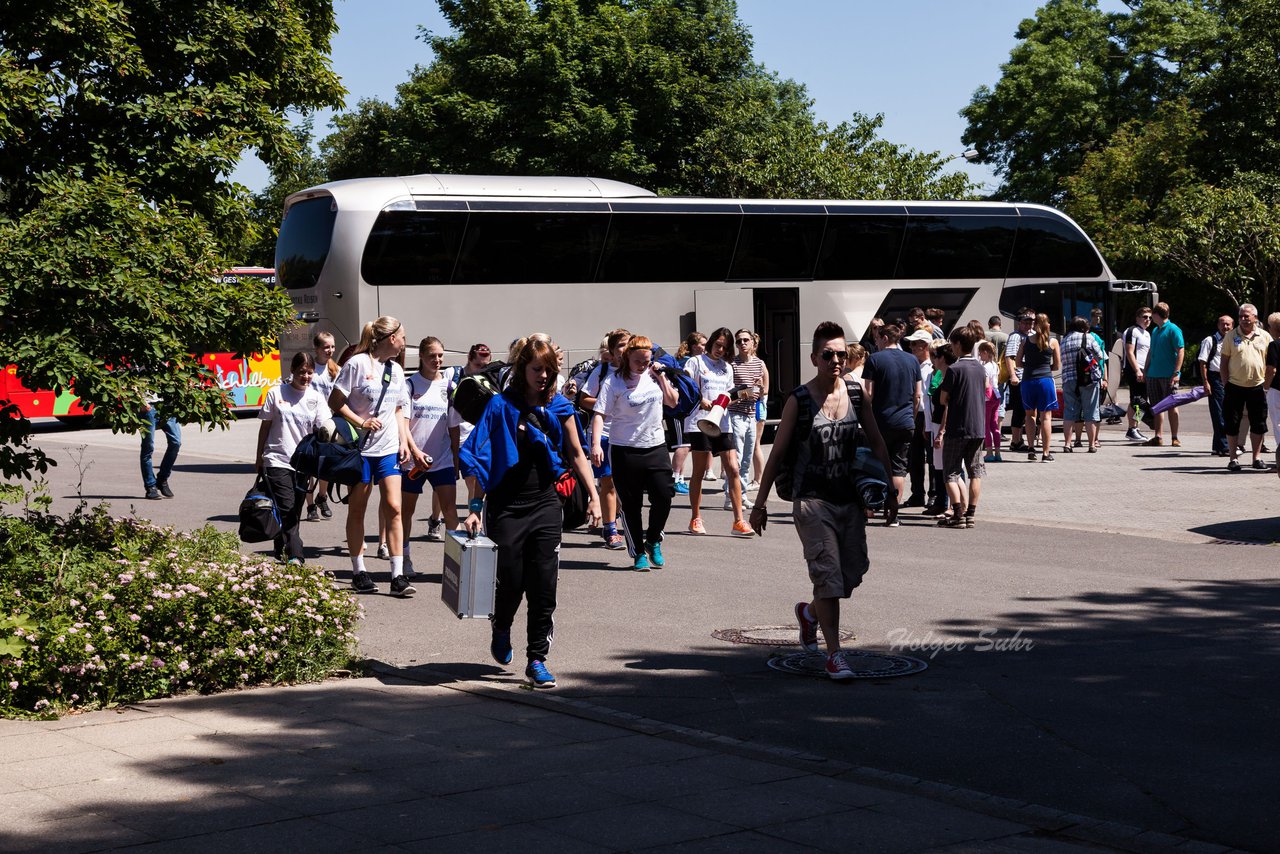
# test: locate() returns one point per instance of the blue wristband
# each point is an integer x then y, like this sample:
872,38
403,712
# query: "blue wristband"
475,505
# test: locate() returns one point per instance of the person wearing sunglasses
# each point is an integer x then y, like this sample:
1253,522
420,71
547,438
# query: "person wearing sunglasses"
892,382
1137,341
750,377
830,521
714,376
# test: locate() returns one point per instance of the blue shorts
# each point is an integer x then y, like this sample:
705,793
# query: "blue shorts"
605,470
437,479
1039,394
377,468
761,415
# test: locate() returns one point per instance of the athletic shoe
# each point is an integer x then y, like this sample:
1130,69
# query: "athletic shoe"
409,572
434,527
294,561
934,510
968,520
401,587
696,526
837,668
728,499
616,542
751,486
1234,465
915,501
951,521
808,629
742,529
153,494
1154,442
1259,465
313,515
746,503
892,522
707,475
682,488
654,550
1079,444
362,583
384,553
1031,456
538,675
642,563
323,504
163,486
1046,458
1133,434
500,645
990,458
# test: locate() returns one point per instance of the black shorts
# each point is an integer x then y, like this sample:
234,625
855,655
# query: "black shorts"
898,442
1017,411
1236,401
702,443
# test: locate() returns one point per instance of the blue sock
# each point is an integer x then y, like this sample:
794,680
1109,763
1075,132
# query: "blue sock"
610,529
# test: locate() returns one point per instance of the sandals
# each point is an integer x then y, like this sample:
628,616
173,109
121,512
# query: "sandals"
1093,449
1067,449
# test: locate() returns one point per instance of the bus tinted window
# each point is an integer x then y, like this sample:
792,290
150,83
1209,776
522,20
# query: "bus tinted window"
669,248
957,247
1052,248
412,248
777,247
531,247
303,244
860,247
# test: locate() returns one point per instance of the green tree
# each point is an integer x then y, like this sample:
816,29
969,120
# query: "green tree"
120,123
661,93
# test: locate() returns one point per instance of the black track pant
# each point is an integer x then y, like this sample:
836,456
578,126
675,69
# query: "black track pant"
528,541
638,472
288,489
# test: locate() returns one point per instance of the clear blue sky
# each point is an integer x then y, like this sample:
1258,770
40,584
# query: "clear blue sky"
916,62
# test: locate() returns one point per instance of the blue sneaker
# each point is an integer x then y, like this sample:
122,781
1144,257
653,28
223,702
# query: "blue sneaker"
500,646
682,488
655,554
538,675
642,563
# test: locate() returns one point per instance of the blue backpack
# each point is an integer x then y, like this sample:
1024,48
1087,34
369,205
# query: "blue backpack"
684,384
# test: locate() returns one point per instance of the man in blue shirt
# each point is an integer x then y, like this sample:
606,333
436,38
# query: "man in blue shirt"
891,378
1163,369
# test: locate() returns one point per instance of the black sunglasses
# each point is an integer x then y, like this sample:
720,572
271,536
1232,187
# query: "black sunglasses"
828,355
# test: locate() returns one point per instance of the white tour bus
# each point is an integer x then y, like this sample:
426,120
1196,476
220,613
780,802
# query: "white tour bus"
473,259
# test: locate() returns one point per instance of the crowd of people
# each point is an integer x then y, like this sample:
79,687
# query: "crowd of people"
930,406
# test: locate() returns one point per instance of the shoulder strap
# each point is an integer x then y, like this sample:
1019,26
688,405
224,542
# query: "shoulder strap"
1213,348
386,382
804,412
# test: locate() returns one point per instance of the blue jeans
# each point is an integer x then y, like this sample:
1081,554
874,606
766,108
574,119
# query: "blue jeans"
173,436
1216,393
744,437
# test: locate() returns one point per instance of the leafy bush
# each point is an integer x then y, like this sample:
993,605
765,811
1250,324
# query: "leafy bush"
96,610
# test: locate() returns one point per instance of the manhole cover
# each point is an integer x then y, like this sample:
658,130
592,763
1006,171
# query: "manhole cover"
865,665
769,635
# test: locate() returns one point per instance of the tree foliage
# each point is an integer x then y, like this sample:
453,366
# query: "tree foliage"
661,93
120,123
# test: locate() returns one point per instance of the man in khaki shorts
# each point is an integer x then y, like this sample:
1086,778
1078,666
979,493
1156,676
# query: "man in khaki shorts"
818,452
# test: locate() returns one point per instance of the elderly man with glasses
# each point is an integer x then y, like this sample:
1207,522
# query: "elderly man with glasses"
1243,368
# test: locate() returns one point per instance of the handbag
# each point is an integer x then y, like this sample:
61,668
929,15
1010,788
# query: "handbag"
259,516
337,463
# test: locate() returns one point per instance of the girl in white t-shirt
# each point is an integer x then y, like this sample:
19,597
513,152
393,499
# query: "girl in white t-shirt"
632,399
369,392
433,444
714,377
322,381
289,413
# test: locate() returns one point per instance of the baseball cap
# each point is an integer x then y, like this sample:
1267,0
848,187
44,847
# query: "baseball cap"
920,335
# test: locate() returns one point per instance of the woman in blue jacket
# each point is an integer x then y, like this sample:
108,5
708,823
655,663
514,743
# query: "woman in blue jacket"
518,453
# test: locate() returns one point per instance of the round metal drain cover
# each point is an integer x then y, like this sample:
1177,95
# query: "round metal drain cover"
769,635
865,665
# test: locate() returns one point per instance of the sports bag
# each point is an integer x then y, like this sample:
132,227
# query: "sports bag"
685,385
1084,362
474,391
338,463
259,516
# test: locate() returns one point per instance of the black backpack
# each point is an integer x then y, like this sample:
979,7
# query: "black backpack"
1084,362
785,482
474,391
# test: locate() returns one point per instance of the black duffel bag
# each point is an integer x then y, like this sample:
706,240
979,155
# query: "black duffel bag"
259,516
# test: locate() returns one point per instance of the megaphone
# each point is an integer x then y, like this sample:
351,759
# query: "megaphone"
709,421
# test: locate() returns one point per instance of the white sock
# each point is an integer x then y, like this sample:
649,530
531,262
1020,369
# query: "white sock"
357,563
397,566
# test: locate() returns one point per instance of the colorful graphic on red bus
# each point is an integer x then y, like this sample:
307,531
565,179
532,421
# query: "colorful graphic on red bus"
245,381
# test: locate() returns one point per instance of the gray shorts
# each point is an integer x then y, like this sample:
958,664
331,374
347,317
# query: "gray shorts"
834,537
959,455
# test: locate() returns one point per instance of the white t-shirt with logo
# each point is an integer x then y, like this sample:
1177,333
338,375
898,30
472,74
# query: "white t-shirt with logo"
634,413
361,381
430,417
591,388
292,414
714,378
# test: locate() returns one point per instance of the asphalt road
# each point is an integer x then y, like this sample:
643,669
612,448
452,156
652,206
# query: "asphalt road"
1104,641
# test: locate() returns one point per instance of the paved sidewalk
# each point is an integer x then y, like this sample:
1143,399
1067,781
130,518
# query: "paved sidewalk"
388,764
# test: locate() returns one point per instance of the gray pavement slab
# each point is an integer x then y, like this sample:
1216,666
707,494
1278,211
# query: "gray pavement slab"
1146,699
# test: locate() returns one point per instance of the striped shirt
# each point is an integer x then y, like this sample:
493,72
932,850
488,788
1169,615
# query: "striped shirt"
748,373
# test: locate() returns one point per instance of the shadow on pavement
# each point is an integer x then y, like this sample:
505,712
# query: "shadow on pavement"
1262,531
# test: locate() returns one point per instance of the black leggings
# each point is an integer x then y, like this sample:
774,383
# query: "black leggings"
528,541
637,472
288,489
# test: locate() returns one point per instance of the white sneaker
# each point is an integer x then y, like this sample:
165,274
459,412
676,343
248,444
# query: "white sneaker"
1135,435
728,502
751,487
384,553
708,475
434,528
